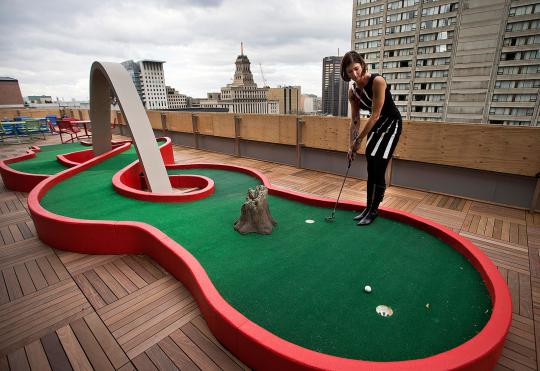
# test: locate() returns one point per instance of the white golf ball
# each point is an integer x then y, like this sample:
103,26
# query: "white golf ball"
367,288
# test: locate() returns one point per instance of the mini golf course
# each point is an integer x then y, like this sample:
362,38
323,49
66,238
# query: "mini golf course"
295,298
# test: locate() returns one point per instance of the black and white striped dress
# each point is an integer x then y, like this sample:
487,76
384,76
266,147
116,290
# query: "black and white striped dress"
383,137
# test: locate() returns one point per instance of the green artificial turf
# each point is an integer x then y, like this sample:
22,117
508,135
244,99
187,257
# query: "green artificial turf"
305,282
45,161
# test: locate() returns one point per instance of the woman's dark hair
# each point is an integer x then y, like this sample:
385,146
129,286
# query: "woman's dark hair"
350,58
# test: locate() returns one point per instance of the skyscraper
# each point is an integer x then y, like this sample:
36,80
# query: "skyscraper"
149,80
455,60
334,89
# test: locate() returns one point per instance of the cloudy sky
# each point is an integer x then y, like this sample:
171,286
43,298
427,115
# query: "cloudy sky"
49,45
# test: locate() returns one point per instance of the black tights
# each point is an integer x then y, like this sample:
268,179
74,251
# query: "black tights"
376,168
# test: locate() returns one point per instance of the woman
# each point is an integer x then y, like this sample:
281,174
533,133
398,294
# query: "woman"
371,93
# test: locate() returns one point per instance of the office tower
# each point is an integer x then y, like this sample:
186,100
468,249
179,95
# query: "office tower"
475,61
334,89
149,80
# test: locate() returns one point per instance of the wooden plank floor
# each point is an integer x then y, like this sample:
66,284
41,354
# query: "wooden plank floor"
61,310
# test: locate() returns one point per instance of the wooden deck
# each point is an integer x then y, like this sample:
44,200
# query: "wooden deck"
61,310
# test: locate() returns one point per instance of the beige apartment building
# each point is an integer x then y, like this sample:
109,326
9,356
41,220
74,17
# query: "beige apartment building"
288,98
175,100
472,61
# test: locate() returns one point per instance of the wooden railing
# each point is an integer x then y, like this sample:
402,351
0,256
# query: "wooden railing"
503,149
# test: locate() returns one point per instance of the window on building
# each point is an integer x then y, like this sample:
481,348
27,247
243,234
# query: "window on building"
370,10
437,23
401,28
523,25
401,16
511,111
372,56
441,9
390,65
432,62
399,41
368,44
392,5
368,33
430,86
523,10
400,86
369,22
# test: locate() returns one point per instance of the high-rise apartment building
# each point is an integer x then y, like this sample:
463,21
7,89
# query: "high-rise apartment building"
288,98
149,80
334,89
455,60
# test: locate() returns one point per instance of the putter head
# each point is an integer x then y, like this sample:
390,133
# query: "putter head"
330,218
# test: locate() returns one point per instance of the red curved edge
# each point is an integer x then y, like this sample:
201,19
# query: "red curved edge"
127,182
254,345
24,182
18,180
88,143
75,158
78,157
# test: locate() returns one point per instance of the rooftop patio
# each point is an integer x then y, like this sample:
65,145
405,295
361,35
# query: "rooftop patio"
77,311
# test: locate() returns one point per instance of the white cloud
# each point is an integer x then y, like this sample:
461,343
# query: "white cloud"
49,46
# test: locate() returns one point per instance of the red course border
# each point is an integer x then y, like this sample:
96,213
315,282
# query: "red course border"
17,180
254,345
24,182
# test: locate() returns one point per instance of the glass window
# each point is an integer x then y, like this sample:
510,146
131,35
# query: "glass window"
523,10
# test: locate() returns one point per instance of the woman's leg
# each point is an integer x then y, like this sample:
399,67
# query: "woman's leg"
378,186
379,155
369,188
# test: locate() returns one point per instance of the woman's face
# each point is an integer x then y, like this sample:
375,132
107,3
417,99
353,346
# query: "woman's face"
355,72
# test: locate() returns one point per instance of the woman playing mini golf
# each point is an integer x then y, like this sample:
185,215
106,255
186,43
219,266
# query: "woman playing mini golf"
371,93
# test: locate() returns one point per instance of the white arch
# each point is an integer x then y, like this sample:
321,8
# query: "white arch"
104,77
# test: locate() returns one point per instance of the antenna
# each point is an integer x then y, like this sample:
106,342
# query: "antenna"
338,52
262,74
241,48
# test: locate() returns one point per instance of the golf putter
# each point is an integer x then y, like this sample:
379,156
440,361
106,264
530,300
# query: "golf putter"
331,217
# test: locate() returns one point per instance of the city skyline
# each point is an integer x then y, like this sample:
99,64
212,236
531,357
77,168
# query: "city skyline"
198,40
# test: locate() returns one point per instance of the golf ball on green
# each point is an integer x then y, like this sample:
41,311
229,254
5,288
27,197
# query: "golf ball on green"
367,289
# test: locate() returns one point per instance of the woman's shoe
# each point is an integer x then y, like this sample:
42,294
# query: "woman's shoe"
369,201
369,218
372,212
362,215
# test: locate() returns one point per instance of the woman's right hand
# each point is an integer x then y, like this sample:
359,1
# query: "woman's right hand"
350,155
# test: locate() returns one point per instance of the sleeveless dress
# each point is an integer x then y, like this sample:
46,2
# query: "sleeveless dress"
383,137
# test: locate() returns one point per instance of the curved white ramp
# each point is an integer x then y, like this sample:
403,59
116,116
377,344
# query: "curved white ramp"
104,77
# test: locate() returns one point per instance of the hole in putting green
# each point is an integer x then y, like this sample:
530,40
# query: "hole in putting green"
310,221
384,311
